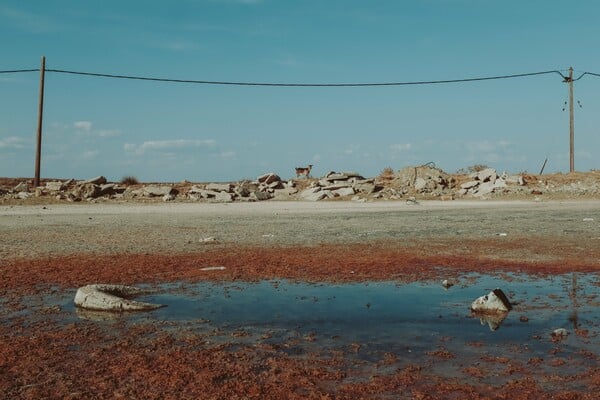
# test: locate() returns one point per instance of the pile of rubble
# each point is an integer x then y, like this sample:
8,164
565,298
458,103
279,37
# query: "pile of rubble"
343,184
425,181
487,181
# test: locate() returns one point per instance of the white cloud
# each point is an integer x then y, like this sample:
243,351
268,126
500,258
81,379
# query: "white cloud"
167,145
28,21
12,142
83,125
400,146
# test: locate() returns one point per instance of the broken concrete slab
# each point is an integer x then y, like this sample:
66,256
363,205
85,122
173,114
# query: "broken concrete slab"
261,196
494,302
469,185
342,192
219,187
99,180
224,197
106,297
21,187
487,175
268,178
157,191
55,186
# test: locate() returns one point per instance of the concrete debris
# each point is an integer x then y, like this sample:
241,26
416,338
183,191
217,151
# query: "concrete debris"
447,283
99,180
212,269
168,197
494,302
409,184
157,191
104,297
559,334
21,187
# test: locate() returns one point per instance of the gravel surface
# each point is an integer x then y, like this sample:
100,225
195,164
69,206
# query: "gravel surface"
36,231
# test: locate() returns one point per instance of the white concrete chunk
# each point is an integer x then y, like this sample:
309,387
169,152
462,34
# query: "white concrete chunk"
106,297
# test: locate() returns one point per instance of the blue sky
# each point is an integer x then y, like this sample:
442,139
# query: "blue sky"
170,132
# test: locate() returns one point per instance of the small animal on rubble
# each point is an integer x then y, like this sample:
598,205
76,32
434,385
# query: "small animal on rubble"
303,171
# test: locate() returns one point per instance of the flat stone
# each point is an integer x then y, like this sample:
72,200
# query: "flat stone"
365,187
157,191
99,180
348,191
484,189
55,186
268,178
104,297
219,187
469,185
338,185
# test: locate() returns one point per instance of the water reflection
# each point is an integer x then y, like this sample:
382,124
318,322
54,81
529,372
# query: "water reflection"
492,320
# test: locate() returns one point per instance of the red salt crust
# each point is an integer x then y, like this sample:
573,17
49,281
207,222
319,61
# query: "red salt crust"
331,262
83,360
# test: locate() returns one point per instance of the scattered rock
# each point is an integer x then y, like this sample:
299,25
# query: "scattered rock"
55,186
157,191
104,297
212,269
99,180
559,334
21,187
495,301
219,187
447,283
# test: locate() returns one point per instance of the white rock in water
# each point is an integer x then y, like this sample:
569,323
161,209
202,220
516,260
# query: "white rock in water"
105,297
495,301
560,333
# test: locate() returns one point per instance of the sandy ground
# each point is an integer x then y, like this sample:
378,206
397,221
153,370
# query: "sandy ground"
49,248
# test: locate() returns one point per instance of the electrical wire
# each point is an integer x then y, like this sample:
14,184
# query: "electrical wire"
233,83
586,73
237,83
13,71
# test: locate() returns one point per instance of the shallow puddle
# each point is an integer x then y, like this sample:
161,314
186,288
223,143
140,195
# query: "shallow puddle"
374,320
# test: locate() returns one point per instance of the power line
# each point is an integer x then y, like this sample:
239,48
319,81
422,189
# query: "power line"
234,83
13,71
586,73
237,83
283,84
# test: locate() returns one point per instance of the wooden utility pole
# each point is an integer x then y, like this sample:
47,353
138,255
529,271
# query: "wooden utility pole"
38,151
569,80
